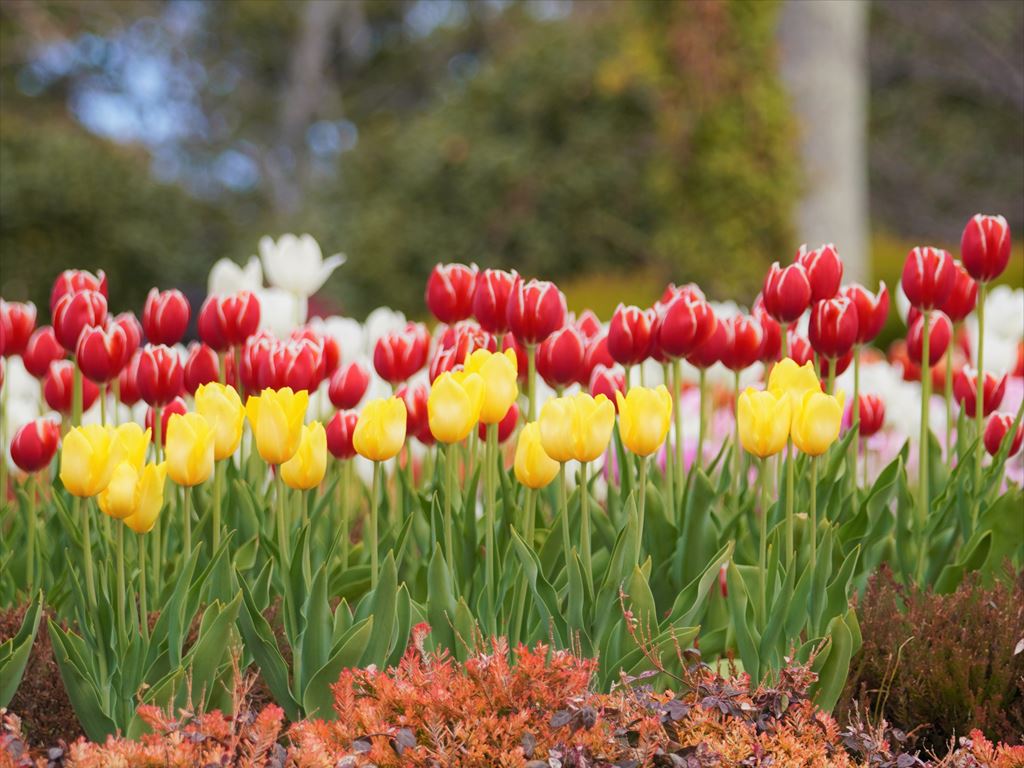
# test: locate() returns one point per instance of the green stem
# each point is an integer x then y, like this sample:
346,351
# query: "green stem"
641,503
158,432
490,475
30,527
762,555
814,535
563,498
186,509
831,382
143,601
979,405
119,597
923,456
344,488
531,381
103,404
527,530
372,542
851,454
76,394
282,527
218,484
699,459
737,452
158,558
947,394
449,491
790,461
677,414
670,459
585,543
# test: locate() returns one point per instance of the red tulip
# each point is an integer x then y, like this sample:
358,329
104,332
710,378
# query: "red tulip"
102,352
177,405
509,341
456,343
75,312
536,309
450,290
257,372
128,381
17,321
210,324
596,354
872,310
505,427
961,300
202,366
630,334
672,290
711,350
227,321
494,288
35,444
339,434
940,332
329,345
160,375
561,355
400,354
965,390
75,280
133,330
41,350
771,347
744,339
300,364
824,270
834,326
416,422
872,414
607,380
58,385
800,349
588,324
348,385
787,292
995,433
928,277
165,316
985,247
687,320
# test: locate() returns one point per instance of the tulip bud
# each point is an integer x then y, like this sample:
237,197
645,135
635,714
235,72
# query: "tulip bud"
576,427
165,316
257,370
454,405
203,367
35,444
928,277
128,381
348,385
505,427
607,381
793,379
645,415
965,390
824,270
872,310
189,449
817,418
456,343
400,354
227,321
222,408
450,292
132,328
75,312
596,355
687,321
75,280
764,419
102,352
940,331
210,324
744,341
41,350
339,434
834,327
985,247
148,498
276,418
300,364
630,335
176,406
417,423
709,352
330,350
160,375
491,297
588,324
88,457
380,431
560,356
771,346
536,309
306,469
995,434
17,320
59,383
871,413
533,467
498,372
961,300
787,292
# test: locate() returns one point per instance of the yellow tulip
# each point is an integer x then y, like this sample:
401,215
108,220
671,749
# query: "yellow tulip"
534,468
816,422
149,498
276,417
118,498
132,443
764,419
189,449
88,458
221,406
454,405
380,431
644,418
306,469
791,380
577,427
499,371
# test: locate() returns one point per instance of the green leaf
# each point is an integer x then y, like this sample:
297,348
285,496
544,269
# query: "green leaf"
210,650
83,691
259,641
834,665
746,636
544,594
383,600
15,651
317,700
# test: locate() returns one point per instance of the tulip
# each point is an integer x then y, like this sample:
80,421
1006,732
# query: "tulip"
597,355
329,348
340,430
608,381
764,419
177,405
498,370
505,427
18,320
533,467
228,277
74,281
190,449
296,264
644,418
687,321
300,364
824,270
872,414
928,277
131,442
833,327
306,469
744,341
709,352
35,444
348,385
630,335
999,424
417,422
58,388
148,498
985,247
102,352
787,292
41,350
817,418
793,381
450,292
962,299
75,312
560,356
400,354
965,389
165,316
160,375
276,418
88,458
117,500
227,321
456,343
536,309
872,310
576,427
257,362
128,381
203,367
494,288
222,408
771,346
940,332
454,406
588,324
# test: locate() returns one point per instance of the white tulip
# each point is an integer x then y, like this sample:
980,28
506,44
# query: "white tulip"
280,312
296,264
379,322
227,277
347,332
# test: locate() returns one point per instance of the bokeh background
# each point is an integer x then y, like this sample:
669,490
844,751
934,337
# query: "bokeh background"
611,146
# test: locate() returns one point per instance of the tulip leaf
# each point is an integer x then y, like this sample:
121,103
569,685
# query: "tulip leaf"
14,653
317,700
690,602
833,665
83,691
316,633
544,594
971,559
742,620
259,641
383,601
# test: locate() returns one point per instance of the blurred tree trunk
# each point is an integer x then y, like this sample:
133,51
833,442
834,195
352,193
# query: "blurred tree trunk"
824,65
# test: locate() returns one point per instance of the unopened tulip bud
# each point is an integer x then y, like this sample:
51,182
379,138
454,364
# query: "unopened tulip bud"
787,292
222,408
17,321
58,385
75,280
833,327
687,321
744,341
928,277
35,444
645,415
607,381
306,469
380,431
505,427
824,270
400,354
630,335
340,429
817,418
961,300
160,375
176,406
102,352
996,430
41,350
560,356
491,297
165,316
417,422
588,324
771,346
203,367
189,449
75,312
128,381
450,290
764,419
985,247
276,418
533,467
536,309
871,413
348,385
940,332
872,310
965,390
711,350
454,405
88,457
